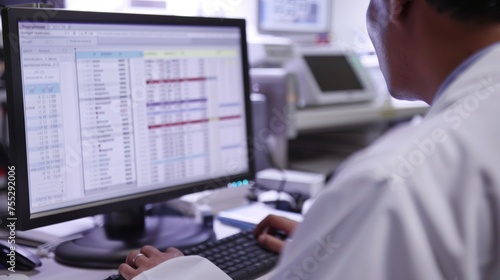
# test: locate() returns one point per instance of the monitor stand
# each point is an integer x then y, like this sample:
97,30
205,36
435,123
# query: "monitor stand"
124,231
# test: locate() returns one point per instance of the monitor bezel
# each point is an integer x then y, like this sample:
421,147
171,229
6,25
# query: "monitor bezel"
277,32
15,111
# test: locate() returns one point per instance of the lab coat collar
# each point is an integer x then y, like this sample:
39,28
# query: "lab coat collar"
463,67
479,81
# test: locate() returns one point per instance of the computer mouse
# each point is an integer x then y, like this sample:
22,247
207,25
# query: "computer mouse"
272,196
22,260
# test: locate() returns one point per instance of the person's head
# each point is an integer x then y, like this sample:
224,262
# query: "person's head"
419,42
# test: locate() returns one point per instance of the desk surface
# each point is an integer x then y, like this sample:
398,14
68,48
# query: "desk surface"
51,270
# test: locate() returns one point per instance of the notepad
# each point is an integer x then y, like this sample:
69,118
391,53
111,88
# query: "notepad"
54,232
247,217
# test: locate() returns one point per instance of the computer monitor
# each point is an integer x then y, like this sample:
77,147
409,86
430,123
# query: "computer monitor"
282,17
110,112
328,76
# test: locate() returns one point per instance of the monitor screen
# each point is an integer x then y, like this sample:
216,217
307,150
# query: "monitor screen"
109,111
294,16
333,73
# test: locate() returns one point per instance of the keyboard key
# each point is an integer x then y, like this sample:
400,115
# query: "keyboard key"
239,275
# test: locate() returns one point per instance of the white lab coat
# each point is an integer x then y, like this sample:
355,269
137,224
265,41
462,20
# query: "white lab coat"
422,203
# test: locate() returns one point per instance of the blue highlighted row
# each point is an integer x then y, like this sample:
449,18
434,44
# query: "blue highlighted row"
42,89
90,55
45,148
47,117
44,127
230,147
238,184
177,111
44,165
177,159
229,104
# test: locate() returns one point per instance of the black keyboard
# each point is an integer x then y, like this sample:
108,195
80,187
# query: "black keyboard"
239,256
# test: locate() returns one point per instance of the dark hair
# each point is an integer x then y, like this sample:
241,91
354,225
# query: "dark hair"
483,10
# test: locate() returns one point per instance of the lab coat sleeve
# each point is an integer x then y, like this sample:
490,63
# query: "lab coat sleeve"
186,268
360,229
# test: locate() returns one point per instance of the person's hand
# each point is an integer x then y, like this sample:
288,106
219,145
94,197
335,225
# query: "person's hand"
266,232
145,258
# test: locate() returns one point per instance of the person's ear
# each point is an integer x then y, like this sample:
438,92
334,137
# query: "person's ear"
398,8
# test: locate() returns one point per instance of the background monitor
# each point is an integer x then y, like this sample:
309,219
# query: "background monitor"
294,16
329,76
325,67
110,112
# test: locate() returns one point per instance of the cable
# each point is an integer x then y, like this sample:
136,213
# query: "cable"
284,179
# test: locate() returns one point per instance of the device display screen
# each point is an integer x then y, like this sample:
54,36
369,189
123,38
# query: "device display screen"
333,73
123,109
310,16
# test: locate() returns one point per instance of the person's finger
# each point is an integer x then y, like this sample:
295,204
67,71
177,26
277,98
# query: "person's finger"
271,243
126,271
139,260
130,257
275,223
147,257
174,252
149,251
265,224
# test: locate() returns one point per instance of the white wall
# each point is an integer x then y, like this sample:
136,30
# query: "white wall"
349,24
348,16
215,8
